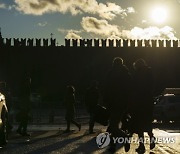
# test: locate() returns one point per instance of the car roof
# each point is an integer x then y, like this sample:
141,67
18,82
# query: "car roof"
175,91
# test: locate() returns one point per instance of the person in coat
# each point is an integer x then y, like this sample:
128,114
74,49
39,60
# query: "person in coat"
23,115
70,109
142,107
91,100
116,95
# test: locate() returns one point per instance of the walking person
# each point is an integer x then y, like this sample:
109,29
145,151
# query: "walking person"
6,92
70,109
24,105
116,96
23,118
142,108
91,100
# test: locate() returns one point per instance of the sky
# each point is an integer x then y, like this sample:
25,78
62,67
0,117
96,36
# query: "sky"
76,19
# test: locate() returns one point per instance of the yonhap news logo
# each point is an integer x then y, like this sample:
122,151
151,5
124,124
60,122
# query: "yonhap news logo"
103,140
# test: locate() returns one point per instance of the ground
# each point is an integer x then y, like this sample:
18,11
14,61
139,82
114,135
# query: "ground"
51,139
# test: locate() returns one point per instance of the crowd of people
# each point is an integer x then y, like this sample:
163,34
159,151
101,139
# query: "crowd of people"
125,94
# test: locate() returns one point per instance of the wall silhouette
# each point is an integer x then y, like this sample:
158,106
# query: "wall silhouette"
90,42
80,61
120,43
8,42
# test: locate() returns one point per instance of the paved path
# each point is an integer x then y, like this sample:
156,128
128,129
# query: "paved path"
53,140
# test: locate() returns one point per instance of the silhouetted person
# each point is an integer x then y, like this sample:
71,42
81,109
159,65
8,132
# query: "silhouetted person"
116,94
4,90
142,107
70,109
24,105
91,100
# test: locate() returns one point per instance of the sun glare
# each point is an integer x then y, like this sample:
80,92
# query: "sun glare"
159,15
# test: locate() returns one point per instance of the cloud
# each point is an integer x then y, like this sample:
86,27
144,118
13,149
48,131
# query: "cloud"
62,30
99,27
10,7
2,6
130,10
42,24
104,10
114,37
7,7
103,29
151,33
72,35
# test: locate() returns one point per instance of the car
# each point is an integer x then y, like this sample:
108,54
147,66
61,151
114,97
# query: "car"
3,120
167,108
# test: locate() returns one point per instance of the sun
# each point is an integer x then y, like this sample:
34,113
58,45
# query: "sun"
159,15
